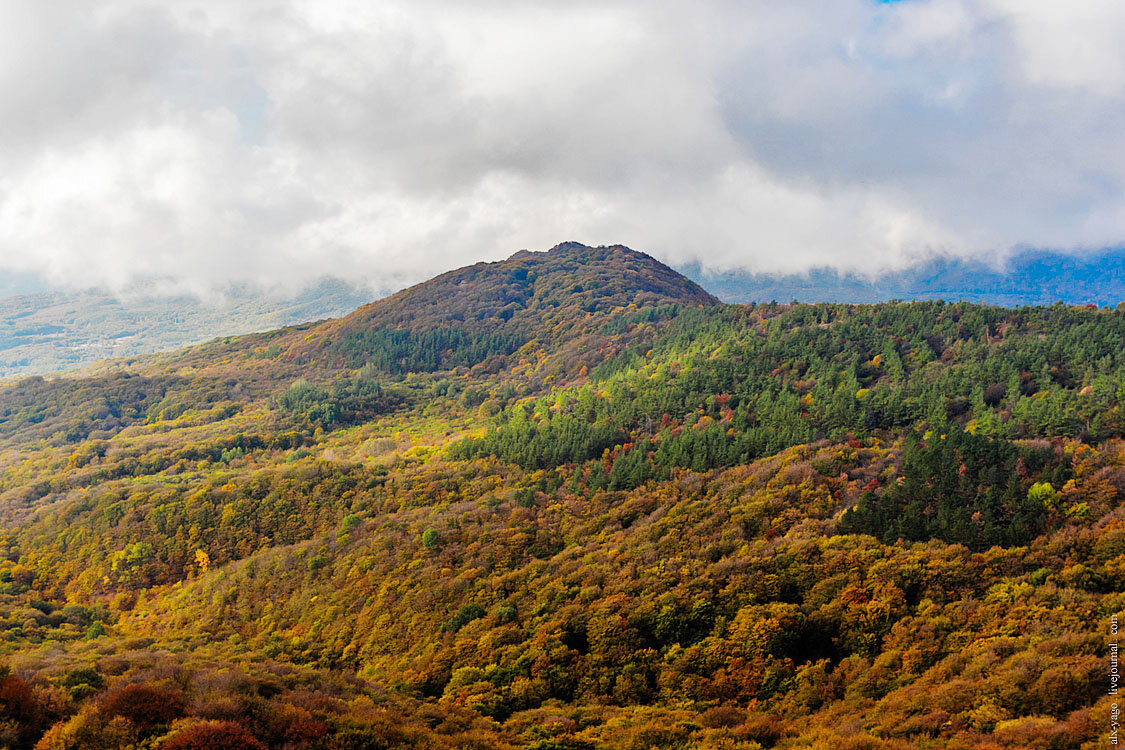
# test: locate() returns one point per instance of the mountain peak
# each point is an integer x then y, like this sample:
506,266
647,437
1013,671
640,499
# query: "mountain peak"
569,275
530,295
581,251
570,246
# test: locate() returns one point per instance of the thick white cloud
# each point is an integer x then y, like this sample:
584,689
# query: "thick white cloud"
209,142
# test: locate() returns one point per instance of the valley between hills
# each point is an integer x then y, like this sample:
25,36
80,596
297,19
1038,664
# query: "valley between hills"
567,501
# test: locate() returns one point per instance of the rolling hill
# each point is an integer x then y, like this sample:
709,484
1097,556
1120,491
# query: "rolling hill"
569,501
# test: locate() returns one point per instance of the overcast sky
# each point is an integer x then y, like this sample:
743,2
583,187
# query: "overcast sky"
203,143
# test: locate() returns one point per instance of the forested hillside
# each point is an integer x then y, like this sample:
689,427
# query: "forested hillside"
570,501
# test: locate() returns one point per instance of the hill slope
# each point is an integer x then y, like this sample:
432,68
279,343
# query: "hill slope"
553,308
493,309
657,521
531,288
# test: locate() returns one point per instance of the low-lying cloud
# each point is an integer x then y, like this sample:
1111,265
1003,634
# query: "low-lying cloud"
208,143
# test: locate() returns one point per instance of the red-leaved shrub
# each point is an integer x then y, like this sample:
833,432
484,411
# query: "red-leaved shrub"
213,735
145,705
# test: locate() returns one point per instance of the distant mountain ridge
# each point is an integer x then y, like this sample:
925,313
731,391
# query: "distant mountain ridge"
51,331
1033,277
496,308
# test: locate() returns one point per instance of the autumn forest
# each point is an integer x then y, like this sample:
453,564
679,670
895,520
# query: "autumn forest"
570,501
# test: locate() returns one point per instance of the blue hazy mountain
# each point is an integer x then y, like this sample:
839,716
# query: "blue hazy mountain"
1032,277
12,284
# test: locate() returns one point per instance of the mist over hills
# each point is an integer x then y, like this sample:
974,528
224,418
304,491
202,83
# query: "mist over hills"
1030,277
51,331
